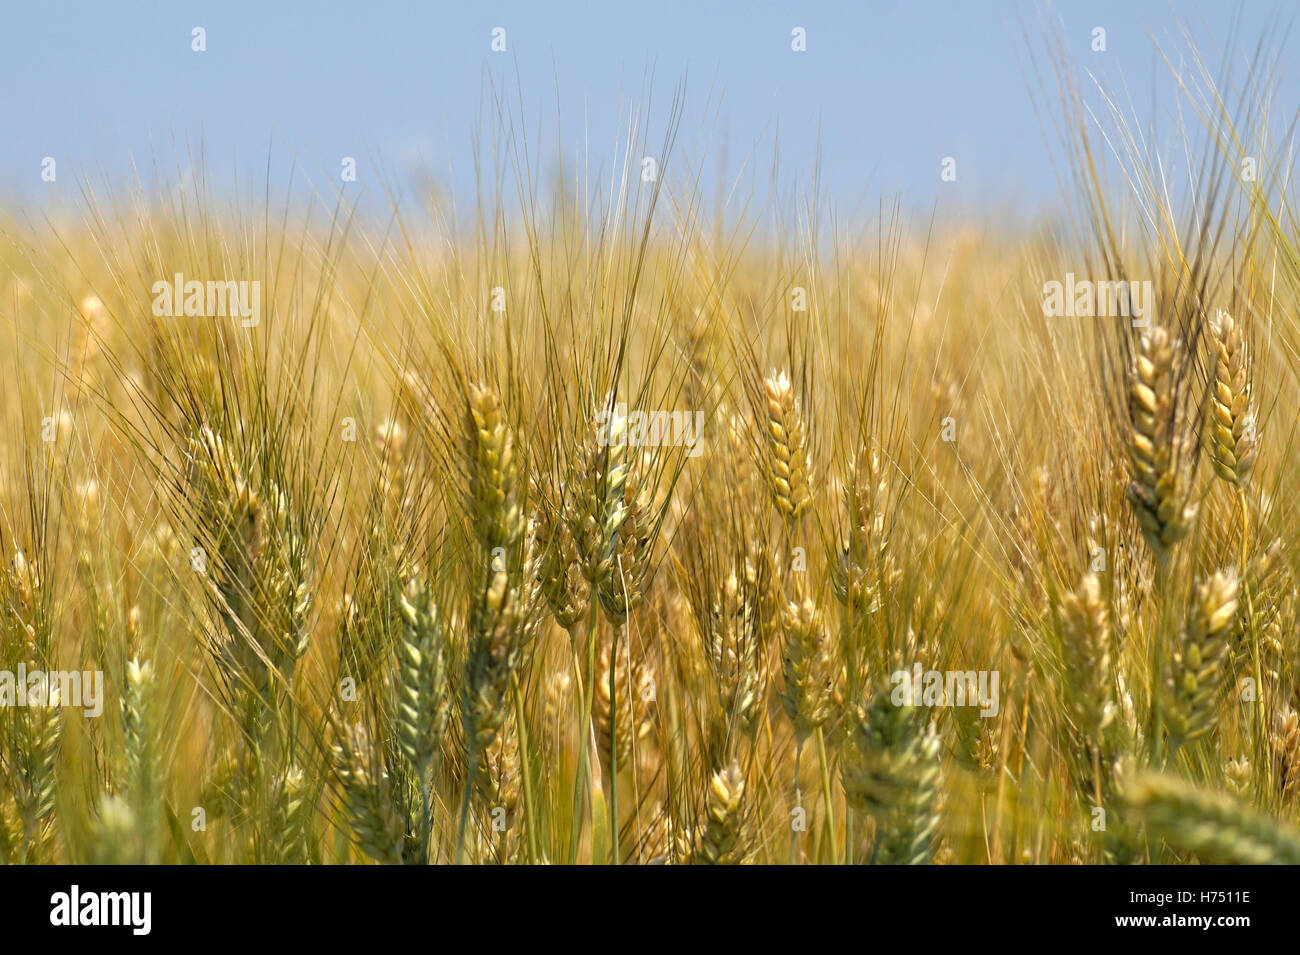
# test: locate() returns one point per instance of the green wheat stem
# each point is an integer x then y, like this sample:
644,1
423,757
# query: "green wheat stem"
525,770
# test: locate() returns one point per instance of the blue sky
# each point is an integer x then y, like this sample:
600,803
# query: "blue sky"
886,88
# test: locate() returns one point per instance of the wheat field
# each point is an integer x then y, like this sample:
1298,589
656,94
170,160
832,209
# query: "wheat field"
602,526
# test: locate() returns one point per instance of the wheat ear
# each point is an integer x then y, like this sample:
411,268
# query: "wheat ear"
892,771
720,842
1158,450
789,464
1196,672
1233,437
619,731
807,667
367,796
143,760
1214,827
423,701
1085,644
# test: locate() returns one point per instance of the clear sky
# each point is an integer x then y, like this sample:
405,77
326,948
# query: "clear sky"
886,88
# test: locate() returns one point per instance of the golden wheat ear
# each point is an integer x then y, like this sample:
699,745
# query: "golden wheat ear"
1234,440
1086,640
1196,674
1160,453
789,464
625,719
721,842
807,667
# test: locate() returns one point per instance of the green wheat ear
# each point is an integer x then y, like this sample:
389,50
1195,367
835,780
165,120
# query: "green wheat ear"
1214,827
423,702
144,766
38,760
892,771
368,796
